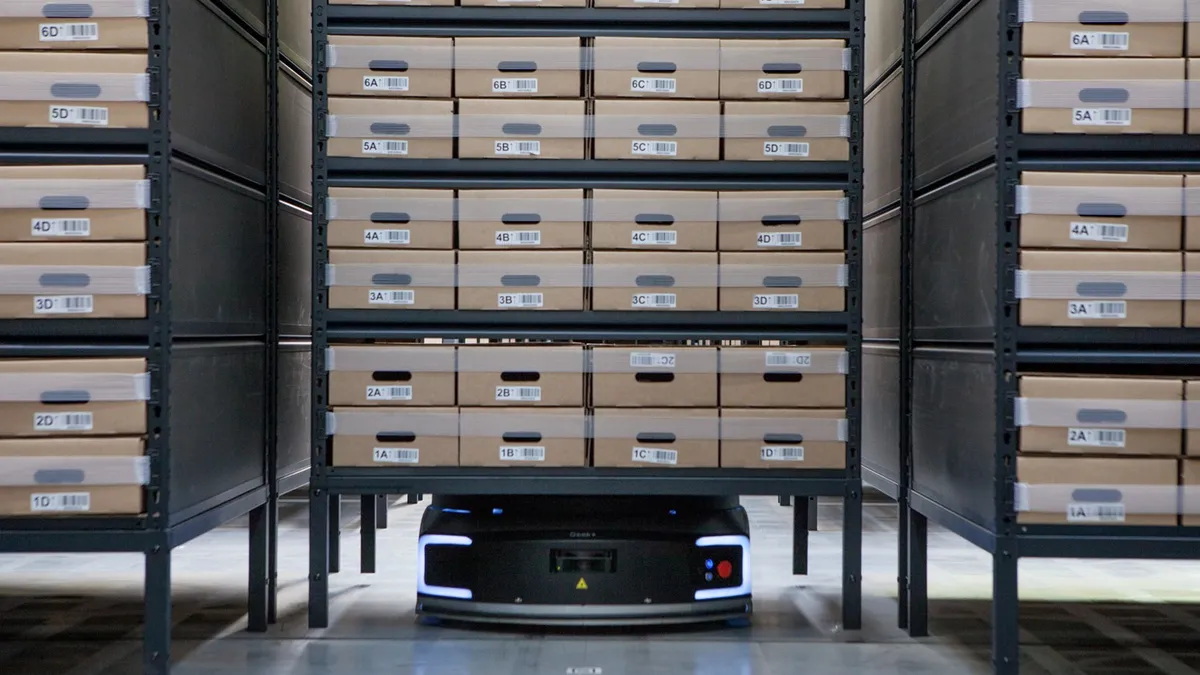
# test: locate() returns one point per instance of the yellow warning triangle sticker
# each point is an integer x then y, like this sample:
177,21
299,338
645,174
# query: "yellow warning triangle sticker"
582,585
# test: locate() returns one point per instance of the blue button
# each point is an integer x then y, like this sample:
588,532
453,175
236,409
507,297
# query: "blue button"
708,576
708,564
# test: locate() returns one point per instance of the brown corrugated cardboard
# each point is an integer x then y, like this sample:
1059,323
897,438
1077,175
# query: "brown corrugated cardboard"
654,281
654,220
1061,410
391,66
1191,393
78,34
74,412
764,438
787,131
410,219
658,130
1193,113
1125,38
1191,491
393,3
395,437
1092,490
650,376
519,376
391,375
782,282
628,67
773,221
1193,38
1103,80
806,377
79,294
520,280
71,457
520,219
1093,265
522,437
391,128
1191,304
791,5
782,69
657,438
659,4
523,67
392,279
90,224
538,129
523,3
1191,221
1112,224
88,71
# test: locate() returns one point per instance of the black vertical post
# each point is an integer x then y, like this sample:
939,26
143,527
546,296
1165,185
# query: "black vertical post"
852,560
1006,646
812,514
156,644
273,559
381,512
318,558
908,77
918,573
367,534
335,533
800,536
257,612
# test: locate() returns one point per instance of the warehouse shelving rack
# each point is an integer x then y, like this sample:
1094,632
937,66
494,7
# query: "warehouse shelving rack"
209,366
328,483
963,355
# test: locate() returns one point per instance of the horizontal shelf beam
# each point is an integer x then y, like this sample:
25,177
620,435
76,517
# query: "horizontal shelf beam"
109,329
1087,337
885,484
1108,542
22,138
955,522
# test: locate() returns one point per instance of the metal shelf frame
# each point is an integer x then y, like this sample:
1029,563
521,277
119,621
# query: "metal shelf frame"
843,328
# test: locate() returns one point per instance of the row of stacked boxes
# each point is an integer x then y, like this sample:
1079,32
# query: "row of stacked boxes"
629,4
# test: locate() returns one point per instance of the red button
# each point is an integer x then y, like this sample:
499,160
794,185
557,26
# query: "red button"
724,569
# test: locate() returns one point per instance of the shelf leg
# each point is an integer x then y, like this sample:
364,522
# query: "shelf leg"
800,536
1006,645
318,559
381,512
852,559
366,533
273,559
784,500
156,645
256,618
414,498
812,514
335,534
918,574
902,560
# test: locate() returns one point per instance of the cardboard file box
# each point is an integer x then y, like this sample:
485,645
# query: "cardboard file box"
787,131
393,3
1191,221
390,66
73,27
1097,491
524,67
74,281
1191,492
390,280
390,218
654,220
1100,210
73,397
523,3
765,438
1099,28
658,130
627,67
791,5
519,376
521,280
521,129
783,377
654,281
74,90
771,282
658,4
1191,395
520,219
782,221
661,438
395,437
71,476
783,69
1100,288
1193,113
654,376
1102,96
1191,290
390,128
73,203
521,437
391,375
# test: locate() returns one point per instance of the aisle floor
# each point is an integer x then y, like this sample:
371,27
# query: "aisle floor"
72,615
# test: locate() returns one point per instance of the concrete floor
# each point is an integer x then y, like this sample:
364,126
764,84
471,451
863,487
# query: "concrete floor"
72,615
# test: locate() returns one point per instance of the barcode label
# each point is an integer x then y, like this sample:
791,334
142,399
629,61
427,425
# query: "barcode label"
396,455
61,227
1102,117
518,394
776,301
69,32
1096,513
390,393
518,238
782,453
1096,438
63,304
1097,310
1100,232
50,421
655,238
651,360
656,148
525,85
779,239
372,83
517,148
397,237
1109,42
655,85
370,147
384,297
773,149
655,456
789,359
93,117
60,501
654,300
790,85
520,300
522,453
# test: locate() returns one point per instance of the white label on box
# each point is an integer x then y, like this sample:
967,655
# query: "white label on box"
63,304
788,85
92,117
60,501
654,300
520,300
61,227
1096,438
776,301
651,360
655,456
1102,117
524,85
656,148
1096,513
654,237
518,148
370,147
69,32
399,392
774,149
1117,234
1113,309
518,238
522,453
402,237
1109,42
789,359
518,394
390,83
782,453
396,455
654,85
51,421
779,239
385,297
